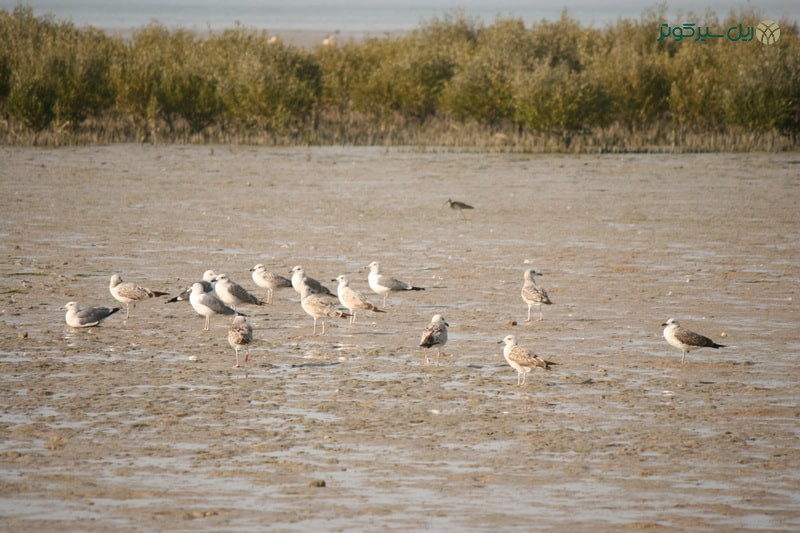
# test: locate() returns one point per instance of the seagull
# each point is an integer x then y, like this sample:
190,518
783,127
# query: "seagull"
233,294
458,206
532,294
352,299
130,293
522,360
268,280
383,285
84,318
684,339
299,279
240,335
207,304
319,306
209,276
435,334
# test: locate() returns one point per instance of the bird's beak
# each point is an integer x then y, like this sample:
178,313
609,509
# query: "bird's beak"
500,342
446,324
664,324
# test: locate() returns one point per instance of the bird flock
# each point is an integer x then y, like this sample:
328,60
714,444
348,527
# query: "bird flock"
217,294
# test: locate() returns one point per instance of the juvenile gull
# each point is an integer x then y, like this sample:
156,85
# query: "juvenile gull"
435,334
299,279
207,304
684,339
240,335
319,306
209,276
84,318
130,293
268,280
532,294
383,285
352,299
522,360
233,294
458,206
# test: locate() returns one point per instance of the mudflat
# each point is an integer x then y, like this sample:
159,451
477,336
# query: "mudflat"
142,424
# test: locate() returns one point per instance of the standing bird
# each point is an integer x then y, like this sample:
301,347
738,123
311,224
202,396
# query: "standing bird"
383,285
299,279
209,277
240,335
684,339
435,334
532,294
268,280
319,306
233,294
522,360
85,318
207,304
352,299
458,206
130,293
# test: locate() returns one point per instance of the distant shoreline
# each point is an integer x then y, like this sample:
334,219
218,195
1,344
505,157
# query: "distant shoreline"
299,38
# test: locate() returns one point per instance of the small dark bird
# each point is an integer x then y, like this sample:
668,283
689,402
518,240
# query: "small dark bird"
458,206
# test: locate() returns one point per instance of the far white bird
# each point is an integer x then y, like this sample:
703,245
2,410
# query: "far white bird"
435,334
268,280
522,360
233,294
352,299
319,306
85,318
532,294
207,304
130,293
383,285
299,279
684,339
240,335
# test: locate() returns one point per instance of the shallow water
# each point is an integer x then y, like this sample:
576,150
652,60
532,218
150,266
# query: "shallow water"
142,424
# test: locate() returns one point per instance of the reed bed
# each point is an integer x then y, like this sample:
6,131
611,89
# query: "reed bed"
452,82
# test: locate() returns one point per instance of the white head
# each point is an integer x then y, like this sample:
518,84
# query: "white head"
374,267
343,280
509,340
299,270
439,319
115,280
223,278
197,288
671,322
209,276
530,273
258,268
69,306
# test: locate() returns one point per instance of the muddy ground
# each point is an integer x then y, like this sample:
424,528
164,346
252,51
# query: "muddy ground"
142,424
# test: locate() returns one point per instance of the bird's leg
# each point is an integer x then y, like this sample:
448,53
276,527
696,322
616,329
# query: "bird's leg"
208,323
684,357
323,328
529,314
236,351
540,312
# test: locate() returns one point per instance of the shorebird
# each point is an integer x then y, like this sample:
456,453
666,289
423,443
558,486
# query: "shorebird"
522,360
684,339
207,304
130,293
352,299
268,280
233,294
319,306
435,334
532,294
458,206
240,335
383,285
209,276
85,318
299,279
